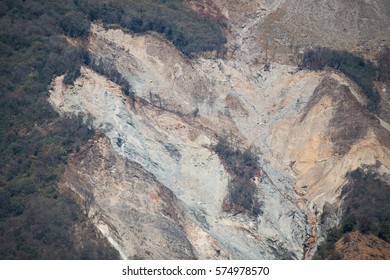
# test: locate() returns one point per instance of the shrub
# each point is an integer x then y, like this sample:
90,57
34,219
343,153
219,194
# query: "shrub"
36,220
326,249
108,69
366,200
75,24
189,32
361,71
242,165
384,66
365,208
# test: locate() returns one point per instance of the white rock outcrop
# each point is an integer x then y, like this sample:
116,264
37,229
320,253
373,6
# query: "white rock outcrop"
287,115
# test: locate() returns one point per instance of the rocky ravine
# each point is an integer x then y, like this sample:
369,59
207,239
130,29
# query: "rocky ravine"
158,187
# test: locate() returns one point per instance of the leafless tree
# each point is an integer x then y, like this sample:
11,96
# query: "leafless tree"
88,199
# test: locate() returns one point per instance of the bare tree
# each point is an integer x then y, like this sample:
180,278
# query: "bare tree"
235,47
88,199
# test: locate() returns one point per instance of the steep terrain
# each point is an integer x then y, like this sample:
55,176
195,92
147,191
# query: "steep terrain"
177,153
159,187
357,246
281,29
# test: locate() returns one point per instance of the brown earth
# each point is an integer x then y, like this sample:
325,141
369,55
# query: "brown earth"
358,246
310,128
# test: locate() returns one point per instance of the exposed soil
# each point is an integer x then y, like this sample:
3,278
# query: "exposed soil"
358,246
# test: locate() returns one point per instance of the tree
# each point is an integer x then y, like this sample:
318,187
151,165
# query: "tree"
75,24
88,200
384,66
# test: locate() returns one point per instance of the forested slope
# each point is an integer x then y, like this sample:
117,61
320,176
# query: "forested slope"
37,221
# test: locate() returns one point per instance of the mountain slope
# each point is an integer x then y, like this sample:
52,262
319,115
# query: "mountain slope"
182,106
173,143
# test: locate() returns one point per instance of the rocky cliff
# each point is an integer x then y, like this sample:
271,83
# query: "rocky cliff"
159,187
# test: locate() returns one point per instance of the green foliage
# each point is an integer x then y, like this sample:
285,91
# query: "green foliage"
75,24
367,200
36,220
46,231
361,71
326,249
189,32
384,66
365,209
243,166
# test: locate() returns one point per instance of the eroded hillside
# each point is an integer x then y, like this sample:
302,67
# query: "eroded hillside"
281,29
159,187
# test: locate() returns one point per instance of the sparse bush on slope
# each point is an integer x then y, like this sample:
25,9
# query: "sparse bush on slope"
384,66
36,220
365,209
243,166
359,70
188,31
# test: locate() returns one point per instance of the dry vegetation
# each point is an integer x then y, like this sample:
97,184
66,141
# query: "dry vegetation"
188,31
243,167
359,70
365,209
36,220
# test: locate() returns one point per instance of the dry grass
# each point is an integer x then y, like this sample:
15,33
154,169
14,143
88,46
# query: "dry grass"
358,246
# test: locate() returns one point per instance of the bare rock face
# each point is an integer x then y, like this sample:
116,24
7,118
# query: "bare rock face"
333,135
176,155
268,29
138,215
159,188
337,23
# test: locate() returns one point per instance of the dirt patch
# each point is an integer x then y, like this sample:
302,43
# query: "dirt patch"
337,24
358,246
206,8
350,121
139,216
236,105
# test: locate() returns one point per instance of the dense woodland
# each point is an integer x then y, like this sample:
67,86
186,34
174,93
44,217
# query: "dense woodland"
37,221
365,209
361,71
186,30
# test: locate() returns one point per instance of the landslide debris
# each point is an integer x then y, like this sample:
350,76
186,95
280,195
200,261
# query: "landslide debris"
310,128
